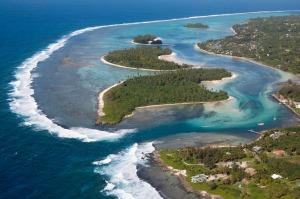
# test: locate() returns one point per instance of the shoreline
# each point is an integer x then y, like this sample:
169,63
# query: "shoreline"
221,81
120,66
245,59
282,102
150,44
181,174
241,58
101,100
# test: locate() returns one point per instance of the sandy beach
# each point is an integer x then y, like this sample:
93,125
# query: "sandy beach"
242,58
120,66
151,44
233,31
101,101
222,81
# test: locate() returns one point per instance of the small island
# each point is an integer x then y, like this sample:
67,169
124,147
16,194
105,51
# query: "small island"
266,168
176,87
143,58
147,39
196,25
273,41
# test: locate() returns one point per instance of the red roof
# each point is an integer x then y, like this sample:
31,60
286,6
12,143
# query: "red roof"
279,152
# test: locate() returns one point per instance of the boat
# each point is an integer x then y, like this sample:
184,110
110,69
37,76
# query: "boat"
261,124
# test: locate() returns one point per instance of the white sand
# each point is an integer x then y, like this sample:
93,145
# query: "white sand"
101,101
120,66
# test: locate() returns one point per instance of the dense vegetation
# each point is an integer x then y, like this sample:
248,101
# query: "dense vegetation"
290,90
143,57
252,181
165,88
196,25
147,39
274,41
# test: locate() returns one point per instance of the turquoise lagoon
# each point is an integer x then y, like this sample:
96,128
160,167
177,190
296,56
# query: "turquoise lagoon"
67,77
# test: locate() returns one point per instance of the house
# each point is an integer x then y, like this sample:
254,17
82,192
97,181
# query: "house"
256,148
229,164
199,178
279,152
276,176
276,135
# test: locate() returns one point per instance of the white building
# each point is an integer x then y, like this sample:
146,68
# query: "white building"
276,176
199,178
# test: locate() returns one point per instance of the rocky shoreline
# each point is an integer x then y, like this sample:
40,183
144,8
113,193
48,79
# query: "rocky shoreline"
182,178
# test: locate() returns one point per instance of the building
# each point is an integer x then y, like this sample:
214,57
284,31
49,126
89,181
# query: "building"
229,164
199,178
276,176
276,135
256,148
279,152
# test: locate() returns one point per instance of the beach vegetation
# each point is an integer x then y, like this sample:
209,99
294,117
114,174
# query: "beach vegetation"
181,86
143,58
273,41
147,39
265,174
196,25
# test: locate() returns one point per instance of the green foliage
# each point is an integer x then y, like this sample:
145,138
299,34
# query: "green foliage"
259,185
210,156
289,140
165,88
144,39
277,190
290,90
143,57
285,168
274,41
196,25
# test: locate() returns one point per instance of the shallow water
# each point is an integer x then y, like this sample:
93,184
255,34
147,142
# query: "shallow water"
69,75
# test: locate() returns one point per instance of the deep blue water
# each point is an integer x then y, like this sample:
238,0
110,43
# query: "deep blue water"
37,164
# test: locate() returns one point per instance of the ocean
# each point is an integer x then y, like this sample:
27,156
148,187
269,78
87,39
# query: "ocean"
49,145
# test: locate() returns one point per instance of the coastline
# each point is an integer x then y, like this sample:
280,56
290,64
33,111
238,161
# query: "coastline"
282,102
233,31
222,81
120,66
101,100
241,58
150,44
181,174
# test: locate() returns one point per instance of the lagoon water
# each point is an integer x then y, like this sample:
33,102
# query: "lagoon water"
50,147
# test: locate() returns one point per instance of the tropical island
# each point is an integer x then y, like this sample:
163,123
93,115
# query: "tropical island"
196,25
273,41
143,58
147,39
168,88
269,167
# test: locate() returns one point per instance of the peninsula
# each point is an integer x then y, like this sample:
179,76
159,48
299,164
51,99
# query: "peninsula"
196,25
273,41
269,167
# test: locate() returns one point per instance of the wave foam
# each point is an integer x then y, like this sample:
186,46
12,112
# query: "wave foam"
24,104
121,172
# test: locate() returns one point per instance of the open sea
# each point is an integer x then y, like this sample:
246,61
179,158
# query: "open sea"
51,74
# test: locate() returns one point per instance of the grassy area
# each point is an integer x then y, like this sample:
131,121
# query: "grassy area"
239,182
